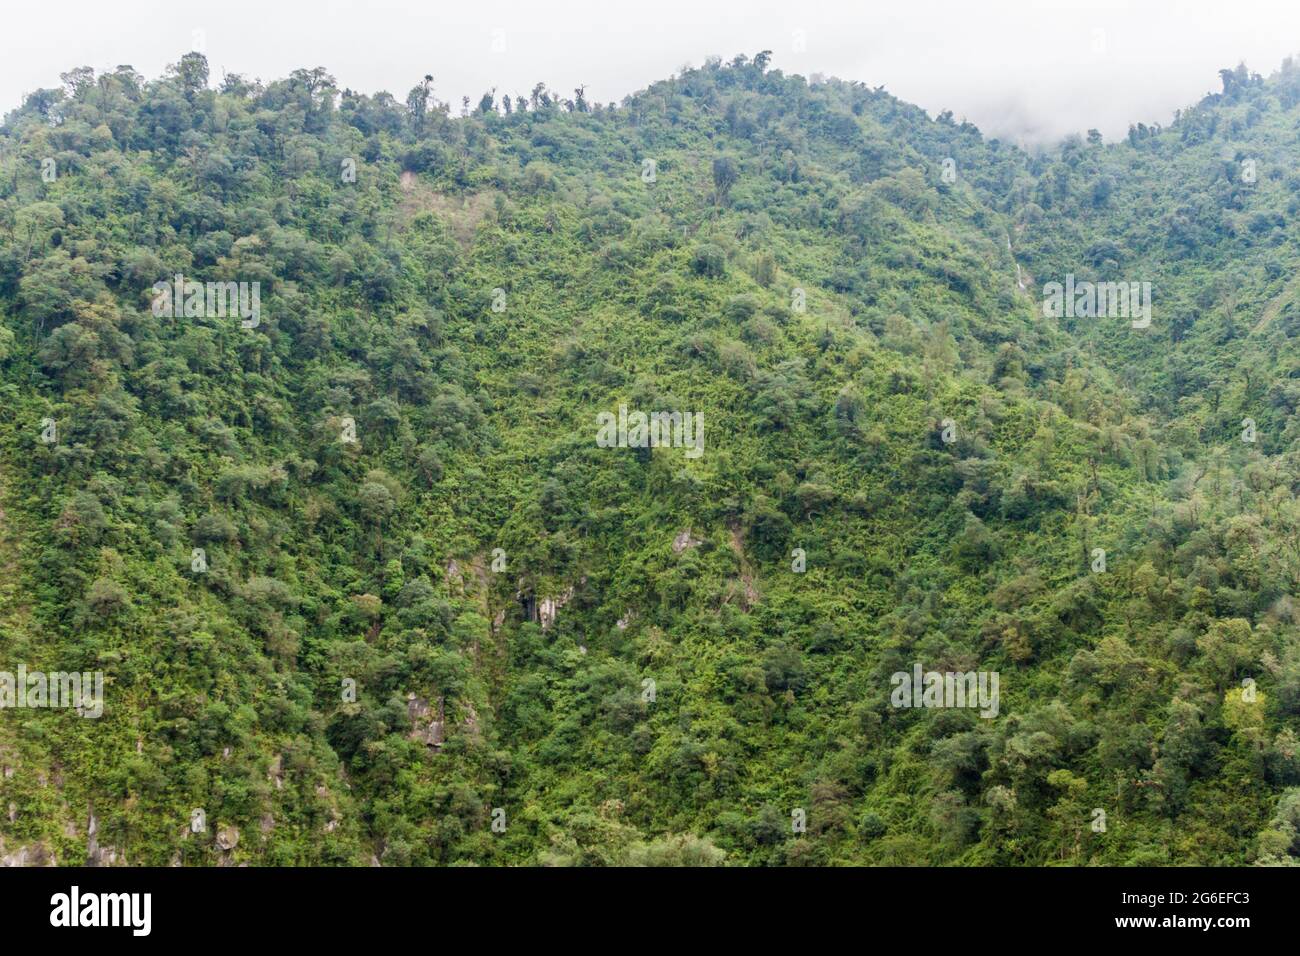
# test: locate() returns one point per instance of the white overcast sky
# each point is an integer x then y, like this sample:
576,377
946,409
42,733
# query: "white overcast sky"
1029,70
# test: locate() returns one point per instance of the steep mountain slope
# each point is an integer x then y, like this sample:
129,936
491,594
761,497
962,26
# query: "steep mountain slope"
432,620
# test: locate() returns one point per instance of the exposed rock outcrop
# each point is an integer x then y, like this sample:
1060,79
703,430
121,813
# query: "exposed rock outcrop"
685,540
426,725
548,608
227,839
36,854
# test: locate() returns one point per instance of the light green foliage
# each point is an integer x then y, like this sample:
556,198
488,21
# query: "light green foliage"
395,479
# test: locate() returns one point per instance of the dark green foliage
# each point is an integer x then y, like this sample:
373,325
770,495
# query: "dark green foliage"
430,601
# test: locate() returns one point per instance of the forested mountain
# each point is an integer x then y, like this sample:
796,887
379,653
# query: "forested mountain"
366,586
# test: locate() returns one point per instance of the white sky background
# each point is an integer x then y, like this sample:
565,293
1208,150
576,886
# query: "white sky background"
1026,70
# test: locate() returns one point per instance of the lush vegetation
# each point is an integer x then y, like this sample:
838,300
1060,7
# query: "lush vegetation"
612,648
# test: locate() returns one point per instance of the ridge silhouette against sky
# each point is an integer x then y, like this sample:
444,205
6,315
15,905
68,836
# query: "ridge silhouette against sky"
1024,71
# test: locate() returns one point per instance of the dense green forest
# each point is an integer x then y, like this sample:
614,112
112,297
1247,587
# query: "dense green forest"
365,588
